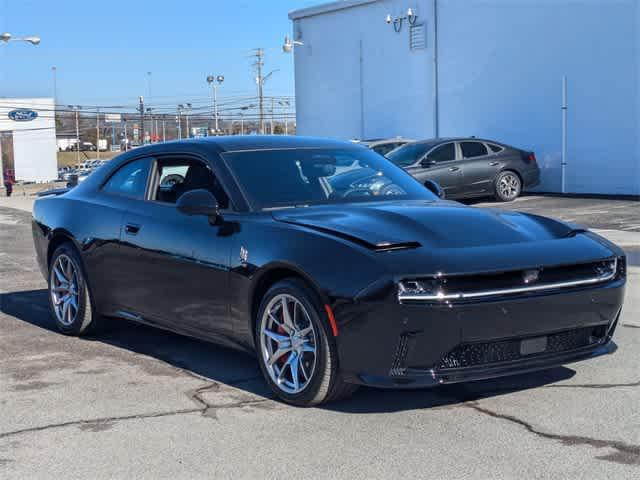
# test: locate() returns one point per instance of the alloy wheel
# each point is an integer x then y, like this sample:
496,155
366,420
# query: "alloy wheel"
288,343
509,186
64,289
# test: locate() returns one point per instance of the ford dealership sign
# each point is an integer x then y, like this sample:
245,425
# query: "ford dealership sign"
22,115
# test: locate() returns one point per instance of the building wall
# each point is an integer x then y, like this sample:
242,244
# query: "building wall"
34,142
354,47
500,69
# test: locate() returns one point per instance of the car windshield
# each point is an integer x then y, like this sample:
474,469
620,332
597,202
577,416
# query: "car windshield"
409,154
302,177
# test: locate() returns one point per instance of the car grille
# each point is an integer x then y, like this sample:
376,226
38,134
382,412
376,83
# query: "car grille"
476,354
461,288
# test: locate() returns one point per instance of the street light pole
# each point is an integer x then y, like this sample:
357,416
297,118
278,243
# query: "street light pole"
54,71
77,108
215,81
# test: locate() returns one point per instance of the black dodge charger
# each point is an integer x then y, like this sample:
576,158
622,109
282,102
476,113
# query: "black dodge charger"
245,242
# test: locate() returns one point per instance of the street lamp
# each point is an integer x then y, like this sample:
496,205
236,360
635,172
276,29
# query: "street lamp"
287,46
6,37
77,108
214,81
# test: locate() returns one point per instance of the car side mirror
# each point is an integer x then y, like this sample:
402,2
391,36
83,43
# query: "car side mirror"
435,188
427,163
198,202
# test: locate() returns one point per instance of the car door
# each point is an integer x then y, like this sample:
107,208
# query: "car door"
479,168
441,164
178,265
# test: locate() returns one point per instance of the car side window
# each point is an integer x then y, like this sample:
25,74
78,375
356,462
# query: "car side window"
178,175
443,153
130,180
495,148
473,149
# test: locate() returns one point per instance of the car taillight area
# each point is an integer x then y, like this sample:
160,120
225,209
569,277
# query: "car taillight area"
529,157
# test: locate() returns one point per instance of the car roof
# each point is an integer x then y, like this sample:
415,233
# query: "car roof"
435,141
270,142
382,141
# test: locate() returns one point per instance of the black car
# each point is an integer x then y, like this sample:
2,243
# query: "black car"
470,167
249,245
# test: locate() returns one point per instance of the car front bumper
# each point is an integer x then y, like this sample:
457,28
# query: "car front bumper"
412,346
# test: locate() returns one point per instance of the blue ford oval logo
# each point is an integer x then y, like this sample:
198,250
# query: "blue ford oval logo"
22,115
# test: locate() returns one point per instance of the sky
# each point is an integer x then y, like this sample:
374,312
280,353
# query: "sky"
103,50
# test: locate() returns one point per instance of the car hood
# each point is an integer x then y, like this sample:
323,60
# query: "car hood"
433,224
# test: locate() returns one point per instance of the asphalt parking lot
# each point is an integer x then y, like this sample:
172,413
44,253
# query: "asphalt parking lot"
141,403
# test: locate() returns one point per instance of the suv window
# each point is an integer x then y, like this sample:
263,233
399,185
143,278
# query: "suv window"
443,153
473,149
130,180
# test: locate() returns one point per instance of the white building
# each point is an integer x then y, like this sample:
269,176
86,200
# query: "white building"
28,138
489,68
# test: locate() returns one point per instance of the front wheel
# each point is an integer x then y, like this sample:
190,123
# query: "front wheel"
508,186
295,349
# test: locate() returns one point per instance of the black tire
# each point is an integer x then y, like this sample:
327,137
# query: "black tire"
326,383
508,186
85,320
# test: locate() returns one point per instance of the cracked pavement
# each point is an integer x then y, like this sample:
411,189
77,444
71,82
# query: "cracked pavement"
137,402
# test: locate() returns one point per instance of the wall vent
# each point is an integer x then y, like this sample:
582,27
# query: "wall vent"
417,37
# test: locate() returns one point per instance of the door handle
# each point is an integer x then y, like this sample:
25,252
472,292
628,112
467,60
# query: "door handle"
454,169
494,164
131,229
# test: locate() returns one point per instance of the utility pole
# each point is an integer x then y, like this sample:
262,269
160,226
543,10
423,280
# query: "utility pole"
164,133
98,133
77,137
152,134
258,64
187,112
141,110
273,105
179,121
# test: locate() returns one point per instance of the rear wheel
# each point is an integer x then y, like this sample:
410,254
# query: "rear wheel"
508,186
296,352
69,295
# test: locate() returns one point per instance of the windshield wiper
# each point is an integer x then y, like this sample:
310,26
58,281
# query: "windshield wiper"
285,207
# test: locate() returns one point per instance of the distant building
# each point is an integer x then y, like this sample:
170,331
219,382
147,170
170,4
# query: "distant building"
28,138
66,142
486,68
